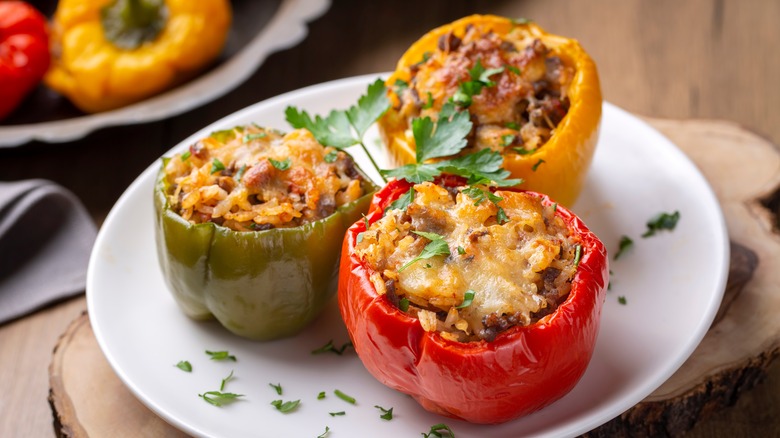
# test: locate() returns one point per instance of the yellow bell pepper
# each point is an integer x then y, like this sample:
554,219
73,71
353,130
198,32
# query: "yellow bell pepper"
556,167
111,53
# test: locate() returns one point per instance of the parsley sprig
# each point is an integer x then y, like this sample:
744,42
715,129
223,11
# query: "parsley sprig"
447,137
480,78
437,246
343,128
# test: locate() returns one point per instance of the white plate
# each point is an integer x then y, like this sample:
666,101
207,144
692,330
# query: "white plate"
286,28
673,284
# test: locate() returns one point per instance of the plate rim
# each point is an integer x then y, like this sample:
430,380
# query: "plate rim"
637,395
288,27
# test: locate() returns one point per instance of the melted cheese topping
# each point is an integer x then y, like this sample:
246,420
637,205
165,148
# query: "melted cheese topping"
251,178
521,106
519,270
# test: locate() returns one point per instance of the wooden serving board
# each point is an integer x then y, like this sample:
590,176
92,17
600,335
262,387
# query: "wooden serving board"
88,399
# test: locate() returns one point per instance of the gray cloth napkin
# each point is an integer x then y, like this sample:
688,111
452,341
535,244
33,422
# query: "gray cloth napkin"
46,237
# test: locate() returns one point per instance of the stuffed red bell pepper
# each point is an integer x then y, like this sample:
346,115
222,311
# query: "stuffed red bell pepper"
482,304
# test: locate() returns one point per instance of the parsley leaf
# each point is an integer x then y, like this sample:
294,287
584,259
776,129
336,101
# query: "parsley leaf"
321,395
225,135
184,365
240,173
414,173
507,139
437,246
662,221
285,407
185,156
221,355
216,166
254,136
329,347
331,156
429,103
218,398
370,107
281,165
480,78
333,414
622,300
445,137
439,431
577,254
345,397
225,380
277,387
402,202
536,166
468,298
625,243
403,304
387,414
324,434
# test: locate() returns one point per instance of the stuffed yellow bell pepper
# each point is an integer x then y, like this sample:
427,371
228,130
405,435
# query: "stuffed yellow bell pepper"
532,96
111,53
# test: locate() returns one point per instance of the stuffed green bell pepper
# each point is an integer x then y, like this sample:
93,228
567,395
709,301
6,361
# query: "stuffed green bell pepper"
249,224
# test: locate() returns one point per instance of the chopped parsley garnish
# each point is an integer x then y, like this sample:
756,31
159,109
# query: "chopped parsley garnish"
437,246
387,414
321,395
501,217
225,380
429,103
218,398
221,355
625,243
331,156
480,78
281,165
512,125
440,430
329,347
186,155
662,221
622,300
254,136
277,388
216,166
536,166
468,298
400,85
524,151
240,173
285,407
333,414
461,251
345,128
577,254
403,304
507,140
555,207
513,69
402,202
479,195
345,397
444,138
184,365
324,434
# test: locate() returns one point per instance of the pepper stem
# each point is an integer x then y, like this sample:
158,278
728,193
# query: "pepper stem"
128,24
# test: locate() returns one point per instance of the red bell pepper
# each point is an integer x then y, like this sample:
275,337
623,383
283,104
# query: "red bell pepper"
522,370
24,52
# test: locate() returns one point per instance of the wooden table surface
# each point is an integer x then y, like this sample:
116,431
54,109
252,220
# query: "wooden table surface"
704,59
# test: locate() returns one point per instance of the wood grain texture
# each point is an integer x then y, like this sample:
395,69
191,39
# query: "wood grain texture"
695,59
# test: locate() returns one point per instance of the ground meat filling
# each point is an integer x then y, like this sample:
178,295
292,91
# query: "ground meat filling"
518,271
253,179
518,113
